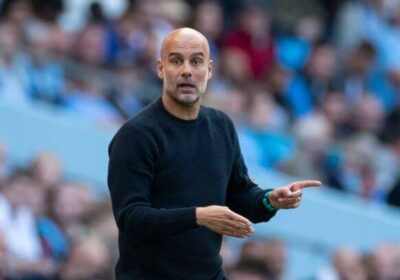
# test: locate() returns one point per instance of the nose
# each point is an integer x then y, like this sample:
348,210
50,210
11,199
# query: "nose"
187,70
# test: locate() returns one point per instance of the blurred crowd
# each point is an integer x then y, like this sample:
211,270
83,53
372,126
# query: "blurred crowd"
312,87
52,228
266,259
306,82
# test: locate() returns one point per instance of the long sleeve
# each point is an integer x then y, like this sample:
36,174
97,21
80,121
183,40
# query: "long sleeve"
130,176
244,196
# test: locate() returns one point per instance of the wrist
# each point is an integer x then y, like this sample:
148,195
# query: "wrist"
267,203
199,211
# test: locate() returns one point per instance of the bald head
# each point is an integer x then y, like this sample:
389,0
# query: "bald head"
185,67
184,36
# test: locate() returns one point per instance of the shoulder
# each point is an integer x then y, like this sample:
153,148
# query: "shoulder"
144,121
220,119
216,115
135,130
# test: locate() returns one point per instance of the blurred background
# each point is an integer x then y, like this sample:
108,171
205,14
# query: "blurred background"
313,87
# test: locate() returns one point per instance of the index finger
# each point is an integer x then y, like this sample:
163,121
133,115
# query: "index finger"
304,184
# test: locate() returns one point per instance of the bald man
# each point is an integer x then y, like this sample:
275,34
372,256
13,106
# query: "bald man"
177,178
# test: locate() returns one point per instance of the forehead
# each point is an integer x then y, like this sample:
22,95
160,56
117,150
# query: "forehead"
185,45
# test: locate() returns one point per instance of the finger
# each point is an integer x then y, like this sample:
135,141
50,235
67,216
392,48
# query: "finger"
237,233
236,217
295,194
228,230
234,235
288,200
304,184
237,226
285,206
283,192
290,205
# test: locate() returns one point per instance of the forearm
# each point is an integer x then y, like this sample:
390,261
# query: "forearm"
249,203
148,221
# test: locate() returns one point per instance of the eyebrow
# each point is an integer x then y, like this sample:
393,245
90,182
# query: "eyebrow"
174,54
179,54
197,54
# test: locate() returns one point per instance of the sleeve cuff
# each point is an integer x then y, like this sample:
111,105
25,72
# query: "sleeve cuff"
267,203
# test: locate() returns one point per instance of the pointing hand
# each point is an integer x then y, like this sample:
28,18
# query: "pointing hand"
289,196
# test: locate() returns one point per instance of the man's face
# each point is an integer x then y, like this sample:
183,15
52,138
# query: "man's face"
185,67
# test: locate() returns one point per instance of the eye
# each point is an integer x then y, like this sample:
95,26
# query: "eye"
175,61
197,61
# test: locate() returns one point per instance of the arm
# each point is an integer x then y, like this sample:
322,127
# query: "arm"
244,196
130,176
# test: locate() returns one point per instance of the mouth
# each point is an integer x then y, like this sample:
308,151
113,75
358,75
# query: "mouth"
186,85
189,87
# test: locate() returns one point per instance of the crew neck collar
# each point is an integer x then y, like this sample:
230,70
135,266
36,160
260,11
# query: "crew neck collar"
195,121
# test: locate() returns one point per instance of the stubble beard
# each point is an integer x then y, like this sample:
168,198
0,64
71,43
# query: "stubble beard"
181,99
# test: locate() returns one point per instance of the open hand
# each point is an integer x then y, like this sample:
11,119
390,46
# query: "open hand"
289,196
224,221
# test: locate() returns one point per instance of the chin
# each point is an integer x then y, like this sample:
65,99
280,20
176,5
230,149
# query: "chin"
189,99
186,99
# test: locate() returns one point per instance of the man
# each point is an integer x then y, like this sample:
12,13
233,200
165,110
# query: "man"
177,179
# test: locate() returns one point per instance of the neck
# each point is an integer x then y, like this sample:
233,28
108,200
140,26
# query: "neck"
184,112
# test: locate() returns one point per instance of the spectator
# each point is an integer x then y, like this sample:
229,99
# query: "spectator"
88,260
91,45
277,80
254,38
24,255
87,100
13,87
101,223
266,123
270,252
307,89
337,112
209,20
384,262
70,203
227,254
368,115
44,75
235,66
358,173
249,270
346,265
313,135
46,169
293,51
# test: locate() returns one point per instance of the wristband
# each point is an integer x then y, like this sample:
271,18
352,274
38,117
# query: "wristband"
266,202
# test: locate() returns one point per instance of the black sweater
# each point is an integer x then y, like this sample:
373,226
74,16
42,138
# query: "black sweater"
161,168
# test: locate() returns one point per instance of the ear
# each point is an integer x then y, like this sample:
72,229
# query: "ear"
210,68
160,69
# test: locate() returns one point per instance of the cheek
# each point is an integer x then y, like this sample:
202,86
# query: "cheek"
201,76
170,76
